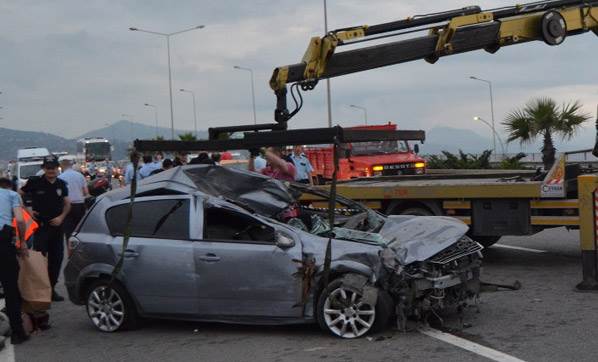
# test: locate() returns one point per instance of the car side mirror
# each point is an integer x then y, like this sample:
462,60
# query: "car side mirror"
284,242
416,148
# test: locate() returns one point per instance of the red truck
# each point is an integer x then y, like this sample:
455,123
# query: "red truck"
381,158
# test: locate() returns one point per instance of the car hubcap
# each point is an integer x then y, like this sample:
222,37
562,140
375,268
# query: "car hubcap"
106,309
346,315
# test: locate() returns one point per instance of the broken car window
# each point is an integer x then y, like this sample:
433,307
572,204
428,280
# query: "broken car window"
225,224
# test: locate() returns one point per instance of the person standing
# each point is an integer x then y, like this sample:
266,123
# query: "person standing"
148,167
277,167
302,164
49,196
77,186
10,208
129,173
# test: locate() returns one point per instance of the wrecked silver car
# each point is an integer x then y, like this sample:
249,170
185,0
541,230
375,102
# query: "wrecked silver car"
215,244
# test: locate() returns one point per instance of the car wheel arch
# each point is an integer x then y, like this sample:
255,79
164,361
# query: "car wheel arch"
339,270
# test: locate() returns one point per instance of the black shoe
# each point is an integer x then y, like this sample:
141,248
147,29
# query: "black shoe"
57,297
18,338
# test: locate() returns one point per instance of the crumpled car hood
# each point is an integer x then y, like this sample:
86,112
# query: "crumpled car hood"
417,238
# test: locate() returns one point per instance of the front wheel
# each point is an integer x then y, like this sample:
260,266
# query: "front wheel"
110,308
343,312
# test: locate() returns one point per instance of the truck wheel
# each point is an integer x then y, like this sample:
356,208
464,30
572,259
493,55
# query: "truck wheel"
342,312
416,211
486,241
110,310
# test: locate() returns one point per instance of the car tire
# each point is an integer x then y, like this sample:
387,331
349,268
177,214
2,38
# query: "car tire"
339,321
115,312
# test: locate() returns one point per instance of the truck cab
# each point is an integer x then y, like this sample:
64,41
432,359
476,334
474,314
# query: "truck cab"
367,159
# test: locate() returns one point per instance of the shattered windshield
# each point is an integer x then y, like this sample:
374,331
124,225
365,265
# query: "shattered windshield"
353,221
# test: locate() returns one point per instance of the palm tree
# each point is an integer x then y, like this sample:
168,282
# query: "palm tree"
189,136
542,117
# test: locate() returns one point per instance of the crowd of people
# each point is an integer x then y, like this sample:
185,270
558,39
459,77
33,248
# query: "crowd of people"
53,205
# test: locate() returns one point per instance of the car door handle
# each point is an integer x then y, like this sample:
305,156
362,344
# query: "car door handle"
131,253
209,257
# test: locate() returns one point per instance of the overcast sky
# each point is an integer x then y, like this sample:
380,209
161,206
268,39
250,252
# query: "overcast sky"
72,66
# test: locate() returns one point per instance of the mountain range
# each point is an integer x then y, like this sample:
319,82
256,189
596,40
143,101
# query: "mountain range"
122,133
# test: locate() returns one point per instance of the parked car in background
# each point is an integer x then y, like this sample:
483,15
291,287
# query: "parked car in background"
211,243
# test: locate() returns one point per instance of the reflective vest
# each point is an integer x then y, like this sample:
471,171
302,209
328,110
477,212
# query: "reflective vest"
30,228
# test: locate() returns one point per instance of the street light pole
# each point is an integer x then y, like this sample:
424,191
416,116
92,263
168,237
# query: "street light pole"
491,108
194,110
252,90
328,97
365,112
167,36
155,116
494,134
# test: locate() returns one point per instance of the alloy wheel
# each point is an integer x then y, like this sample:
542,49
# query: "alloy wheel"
346,315
106,309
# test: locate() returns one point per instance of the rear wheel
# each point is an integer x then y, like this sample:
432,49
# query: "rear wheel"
109,307
343,312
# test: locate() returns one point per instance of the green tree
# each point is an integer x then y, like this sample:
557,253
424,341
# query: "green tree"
159,138
188,136
542,117
461,161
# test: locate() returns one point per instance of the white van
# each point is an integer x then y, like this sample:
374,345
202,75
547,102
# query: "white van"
29,163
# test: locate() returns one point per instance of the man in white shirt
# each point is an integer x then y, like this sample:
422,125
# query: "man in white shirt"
77,186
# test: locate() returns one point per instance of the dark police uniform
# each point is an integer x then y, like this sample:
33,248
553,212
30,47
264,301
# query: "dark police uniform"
47,200
9,267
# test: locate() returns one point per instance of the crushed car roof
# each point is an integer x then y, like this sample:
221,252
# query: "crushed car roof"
253,191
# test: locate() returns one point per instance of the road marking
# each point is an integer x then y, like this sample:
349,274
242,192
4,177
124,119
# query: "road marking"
519,248
469,345
8,353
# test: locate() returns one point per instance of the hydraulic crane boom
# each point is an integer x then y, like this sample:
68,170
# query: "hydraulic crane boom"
448,33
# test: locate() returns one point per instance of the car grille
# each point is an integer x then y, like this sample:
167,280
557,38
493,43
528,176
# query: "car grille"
462,248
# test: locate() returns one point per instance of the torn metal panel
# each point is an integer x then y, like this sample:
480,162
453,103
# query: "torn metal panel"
419,238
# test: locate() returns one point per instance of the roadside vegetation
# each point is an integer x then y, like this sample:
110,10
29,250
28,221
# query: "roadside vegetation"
543,117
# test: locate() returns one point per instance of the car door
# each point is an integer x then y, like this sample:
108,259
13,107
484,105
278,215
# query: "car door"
243,273
159,268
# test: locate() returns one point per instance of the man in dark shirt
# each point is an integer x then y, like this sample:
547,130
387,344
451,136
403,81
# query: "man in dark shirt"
50,204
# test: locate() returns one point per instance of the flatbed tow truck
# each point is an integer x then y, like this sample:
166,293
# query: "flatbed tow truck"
493,204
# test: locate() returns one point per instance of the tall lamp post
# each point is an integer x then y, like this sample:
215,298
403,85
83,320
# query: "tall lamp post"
155,116
252,89
365,112
494,134
491,108
194,110
328,97
167,36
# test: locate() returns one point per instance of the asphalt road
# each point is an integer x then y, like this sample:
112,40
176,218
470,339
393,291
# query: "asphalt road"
544,321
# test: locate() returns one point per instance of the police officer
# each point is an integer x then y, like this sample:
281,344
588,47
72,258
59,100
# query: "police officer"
304,168
10,207
51,205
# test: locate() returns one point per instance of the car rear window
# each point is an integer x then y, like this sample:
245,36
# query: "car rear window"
168,219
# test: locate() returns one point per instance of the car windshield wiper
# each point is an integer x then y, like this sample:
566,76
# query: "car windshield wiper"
166,216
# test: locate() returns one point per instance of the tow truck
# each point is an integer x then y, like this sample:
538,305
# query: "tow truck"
494,205
366,159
